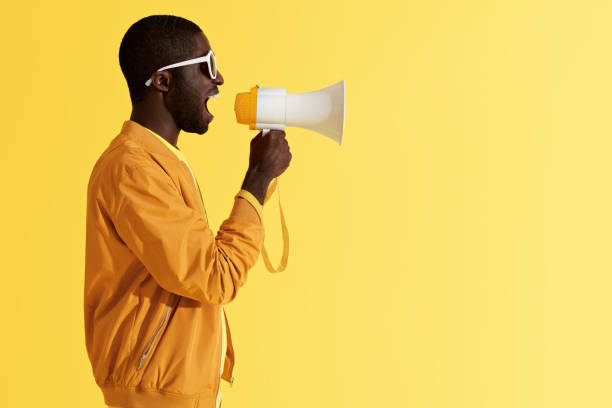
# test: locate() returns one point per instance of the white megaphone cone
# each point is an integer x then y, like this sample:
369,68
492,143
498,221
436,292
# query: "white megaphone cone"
321,111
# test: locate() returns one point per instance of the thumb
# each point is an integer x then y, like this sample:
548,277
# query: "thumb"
256,138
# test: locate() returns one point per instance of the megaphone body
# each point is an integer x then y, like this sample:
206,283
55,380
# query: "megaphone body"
321,111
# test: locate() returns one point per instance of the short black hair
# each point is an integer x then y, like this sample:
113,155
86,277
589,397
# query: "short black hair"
151,43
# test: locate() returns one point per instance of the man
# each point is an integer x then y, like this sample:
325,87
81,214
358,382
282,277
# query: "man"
156,278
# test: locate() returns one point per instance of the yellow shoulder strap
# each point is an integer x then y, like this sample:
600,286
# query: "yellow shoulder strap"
283,263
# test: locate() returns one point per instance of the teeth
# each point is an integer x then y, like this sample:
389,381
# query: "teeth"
214,96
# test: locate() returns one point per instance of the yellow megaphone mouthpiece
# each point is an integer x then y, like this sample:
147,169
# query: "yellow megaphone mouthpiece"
246,108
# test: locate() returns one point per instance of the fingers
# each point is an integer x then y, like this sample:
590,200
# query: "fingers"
273,136
277,134
280,136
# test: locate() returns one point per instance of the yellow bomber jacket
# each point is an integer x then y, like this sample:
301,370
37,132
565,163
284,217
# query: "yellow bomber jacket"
156,277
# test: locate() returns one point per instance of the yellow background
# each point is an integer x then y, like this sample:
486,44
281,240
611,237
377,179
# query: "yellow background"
453,252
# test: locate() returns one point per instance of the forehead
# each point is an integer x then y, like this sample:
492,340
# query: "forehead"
202,44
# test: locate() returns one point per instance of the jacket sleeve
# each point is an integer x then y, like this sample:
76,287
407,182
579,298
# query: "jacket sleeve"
174,241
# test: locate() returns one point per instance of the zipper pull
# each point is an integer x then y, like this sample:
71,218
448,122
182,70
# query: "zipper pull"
142,360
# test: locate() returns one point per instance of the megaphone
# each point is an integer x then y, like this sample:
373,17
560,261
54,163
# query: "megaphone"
321,111
273,108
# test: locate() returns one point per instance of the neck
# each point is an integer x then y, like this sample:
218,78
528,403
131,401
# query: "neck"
158,120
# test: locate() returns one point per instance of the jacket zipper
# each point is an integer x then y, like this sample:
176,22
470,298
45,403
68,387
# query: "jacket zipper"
222,360
223,321
148,347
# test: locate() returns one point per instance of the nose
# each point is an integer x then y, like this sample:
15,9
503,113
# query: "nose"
219,79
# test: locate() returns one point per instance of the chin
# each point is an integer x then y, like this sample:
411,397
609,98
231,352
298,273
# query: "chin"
203,130
200,128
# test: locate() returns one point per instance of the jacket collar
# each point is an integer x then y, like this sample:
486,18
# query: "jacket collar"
149,140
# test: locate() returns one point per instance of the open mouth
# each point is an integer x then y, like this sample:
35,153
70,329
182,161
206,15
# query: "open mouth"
206,102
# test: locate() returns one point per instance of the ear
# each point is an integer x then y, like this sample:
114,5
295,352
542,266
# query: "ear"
161,80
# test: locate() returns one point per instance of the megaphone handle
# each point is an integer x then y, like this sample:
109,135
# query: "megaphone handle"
283,263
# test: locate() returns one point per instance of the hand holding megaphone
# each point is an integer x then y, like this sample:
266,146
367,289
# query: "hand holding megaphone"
270,153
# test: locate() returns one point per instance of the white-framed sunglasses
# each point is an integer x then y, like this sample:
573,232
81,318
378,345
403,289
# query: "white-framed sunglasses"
210,59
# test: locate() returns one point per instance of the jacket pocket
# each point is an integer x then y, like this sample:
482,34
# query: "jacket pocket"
155,338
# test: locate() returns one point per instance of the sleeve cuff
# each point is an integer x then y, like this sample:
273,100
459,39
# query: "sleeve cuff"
254,202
